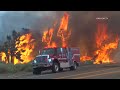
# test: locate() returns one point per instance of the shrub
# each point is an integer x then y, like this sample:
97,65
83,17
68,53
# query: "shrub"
10,68
3,68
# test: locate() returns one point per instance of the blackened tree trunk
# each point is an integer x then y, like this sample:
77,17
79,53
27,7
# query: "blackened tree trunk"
9,47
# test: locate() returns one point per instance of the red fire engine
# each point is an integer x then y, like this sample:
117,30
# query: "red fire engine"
56,59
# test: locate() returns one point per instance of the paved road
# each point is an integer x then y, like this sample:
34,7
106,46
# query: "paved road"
111,71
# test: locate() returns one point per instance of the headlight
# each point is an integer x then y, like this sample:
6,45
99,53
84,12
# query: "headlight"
49,60
35,61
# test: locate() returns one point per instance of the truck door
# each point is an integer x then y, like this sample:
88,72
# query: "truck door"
70,55
62,58
64,55
59,54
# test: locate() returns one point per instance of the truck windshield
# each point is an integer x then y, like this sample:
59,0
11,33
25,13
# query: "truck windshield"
47,51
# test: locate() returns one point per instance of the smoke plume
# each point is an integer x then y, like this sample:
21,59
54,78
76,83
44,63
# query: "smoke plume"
82,23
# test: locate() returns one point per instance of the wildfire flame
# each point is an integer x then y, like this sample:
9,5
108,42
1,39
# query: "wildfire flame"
104,44
63,32
25,46
3,57
85,58
101,34
47,38
104,53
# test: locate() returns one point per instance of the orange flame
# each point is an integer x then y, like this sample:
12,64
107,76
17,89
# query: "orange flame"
104,46
3,57
63,32
25,46
105,51
47,38
85,58
101,35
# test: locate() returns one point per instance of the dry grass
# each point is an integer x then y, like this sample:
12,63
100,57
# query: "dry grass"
10,68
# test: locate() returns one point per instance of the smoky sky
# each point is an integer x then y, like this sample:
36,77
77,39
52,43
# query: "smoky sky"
82,23
15,20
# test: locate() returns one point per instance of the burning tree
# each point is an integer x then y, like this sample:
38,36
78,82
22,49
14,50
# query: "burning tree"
8,49
62,32
17,48
105,44
47,38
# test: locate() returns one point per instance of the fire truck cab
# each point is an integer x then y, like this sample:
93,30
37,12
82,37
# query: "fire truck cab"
56,59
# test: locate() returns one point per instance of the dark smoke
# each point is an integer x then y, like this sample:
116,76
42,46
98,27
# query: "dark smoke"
83,24
84,28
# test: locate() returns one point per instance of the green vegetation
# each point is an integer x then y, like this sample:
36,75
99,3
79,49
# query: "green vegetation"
10,68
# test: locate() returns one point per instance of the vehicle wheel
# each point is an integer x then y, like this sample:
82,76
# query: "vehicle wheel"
74,67
55,68
61,69
36,71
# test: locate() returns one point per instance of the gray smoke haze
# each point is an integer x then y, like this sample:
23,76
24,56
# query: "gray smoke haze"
15,20
83,24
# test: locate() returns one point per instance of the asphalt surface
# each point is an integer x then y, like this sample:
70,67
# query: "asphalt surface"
107,71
